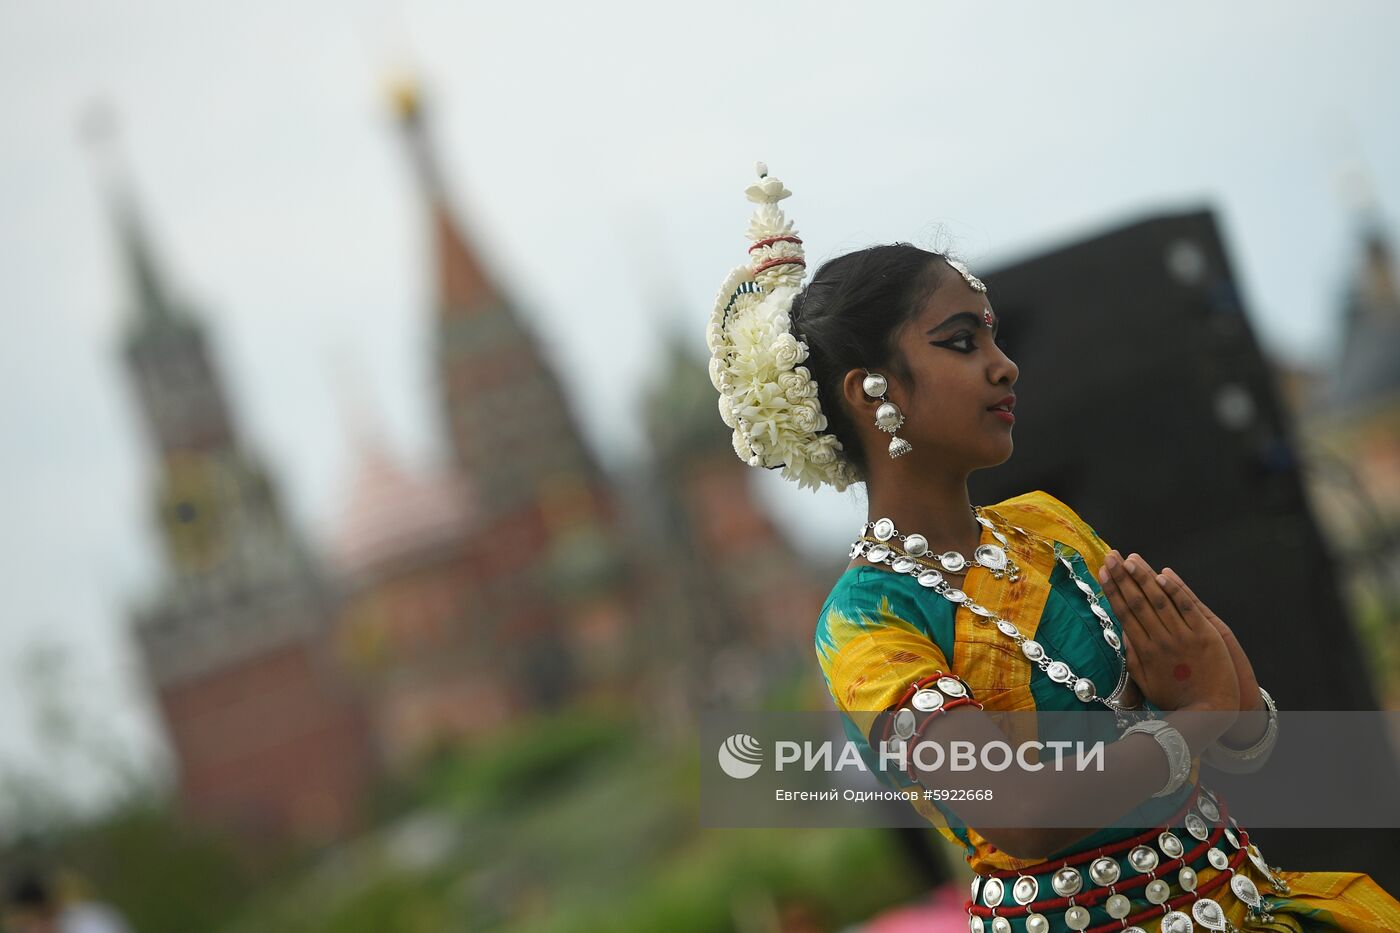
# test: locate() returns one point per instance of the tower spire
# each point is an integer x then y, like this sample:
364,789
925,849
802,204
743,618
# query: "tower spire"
518,453
407,99
151,297
463,284
152,300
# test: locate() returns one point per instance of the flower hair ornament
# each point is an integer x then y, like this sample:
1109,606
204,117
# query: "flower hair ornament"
766,395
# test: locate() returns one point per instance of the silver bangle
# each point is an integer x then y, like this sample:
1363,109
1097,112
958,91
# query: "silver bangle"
1241,760
1173,745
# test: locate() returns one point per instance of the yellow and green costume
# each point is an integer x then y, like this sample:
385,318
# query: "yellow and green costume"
878,631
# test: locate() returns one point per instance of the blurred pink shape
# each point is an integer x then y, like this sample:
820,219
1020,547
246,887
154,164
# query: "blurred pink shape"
942,910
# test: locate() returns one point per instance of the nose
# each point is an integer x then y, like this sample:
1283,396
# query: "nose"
1002,369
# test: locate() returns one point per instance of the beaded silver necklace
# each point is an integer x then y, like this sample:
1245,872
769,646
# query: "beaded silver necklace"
910,557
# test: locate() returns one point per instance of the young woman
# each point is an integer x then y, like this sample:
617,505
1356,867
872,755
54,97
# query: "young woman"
886,369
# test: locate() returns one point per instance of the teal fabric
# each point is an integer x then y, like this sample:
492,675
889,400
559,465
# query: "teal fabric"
1068,630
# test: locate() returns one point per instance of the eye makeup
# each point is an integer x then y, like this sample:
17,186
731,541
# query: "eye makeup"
969,340
984,318
952,343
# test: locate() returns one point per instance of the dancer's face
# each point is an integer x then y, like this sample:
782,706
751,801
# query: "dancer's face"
959,372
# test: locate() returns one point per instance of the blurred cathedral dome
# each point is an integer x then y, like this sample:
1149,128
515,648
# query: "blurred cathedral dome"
393,515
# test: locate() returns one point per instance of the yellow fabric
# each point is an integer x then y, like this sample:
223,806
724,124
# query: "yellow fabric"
873,658
869,659
1338,900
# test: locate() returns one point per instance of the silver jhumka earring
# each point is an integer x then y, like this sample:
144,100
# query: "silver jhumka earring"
888,417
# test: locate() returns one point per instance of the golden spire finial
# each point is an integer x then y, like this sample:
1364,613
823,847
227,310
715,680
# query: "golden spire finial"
404,93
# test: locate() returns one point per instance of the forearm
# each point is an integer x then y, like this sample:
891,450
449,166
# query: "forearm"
1023,803
1135,768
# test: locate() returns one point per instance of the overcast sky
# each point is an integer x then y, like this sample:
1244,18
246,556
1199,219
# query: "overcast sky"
598,152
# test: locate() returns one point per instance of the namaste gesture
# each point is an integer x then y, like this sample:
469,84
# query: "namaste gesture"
1179,652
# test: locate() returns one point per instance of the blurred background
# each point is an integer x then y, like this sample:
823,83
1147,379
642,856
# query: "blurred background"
370,537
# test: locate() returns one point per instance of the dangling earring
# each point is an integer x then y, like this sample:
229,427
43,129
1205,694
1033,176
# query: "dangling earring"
888,417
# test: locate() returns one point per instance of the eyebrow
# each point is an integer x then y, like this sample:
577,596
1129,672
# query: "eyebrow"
971,317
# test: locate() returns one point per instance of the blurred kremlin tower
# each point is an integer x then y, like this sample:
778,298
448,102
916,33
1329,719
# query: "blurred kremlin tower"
237,639
568,587
501,585
519,577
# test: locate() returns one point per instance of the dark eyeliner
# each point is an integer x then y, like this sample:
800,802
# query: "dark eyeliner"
952,340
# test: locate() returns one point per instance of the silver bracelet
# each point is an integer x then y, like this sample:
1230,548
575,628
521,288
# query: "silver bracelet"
1243,760
1174,745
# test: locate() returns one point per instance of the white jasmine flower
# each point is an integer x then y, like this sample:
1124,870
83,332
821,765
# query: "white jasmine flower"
823,453
717,373
726,410
806,416
788,352
767,191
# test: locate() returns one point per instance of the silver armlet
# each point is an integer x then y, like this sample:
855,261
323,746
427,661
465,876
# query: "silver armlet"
1244,760
1174,745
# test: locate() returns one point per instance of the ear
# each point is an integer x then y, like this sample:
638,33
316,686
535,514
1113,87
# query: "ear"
853,391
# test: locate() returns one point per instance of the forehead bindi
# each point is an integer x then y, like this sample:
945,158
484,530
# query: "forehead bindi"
945,320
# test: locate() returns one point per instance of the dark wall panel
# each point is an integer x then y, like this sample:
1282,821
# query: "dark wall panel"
1144,403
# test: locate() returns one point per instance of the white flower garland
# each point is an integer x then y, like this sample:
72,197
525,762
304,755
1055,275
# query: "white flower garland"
765,394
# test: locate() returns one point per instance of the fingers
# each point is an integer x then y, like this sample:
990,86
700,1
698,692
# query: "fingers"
1109,577
1169,598
1143,596
1150,583
1201,607
1182,601
1214,621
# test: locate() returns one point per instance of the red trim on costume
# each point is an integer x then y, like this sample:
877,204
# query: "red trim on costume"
1094,897
954,703
909,694
894,707
1176,902
1085,858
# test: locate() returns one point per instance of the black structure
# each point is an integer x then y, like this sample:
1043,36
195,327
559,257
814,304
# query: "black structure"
1144,403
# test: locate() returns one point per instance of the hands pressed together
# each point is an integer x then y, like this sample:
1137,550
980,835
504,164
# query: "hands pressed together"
1179,652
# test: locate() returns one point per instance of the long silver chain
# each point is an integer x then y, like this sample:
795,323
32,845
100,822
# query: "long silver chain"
911,560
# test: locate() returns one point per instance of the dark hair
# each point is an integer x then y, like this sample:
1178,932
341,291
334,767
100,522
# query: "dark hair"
849,316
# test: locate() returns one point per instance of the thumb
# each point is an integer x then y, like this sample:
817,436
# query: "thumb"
1134,663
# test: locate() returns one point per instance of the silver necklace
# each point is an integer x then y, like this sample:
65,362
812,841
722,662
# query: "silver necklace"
988,556
903,559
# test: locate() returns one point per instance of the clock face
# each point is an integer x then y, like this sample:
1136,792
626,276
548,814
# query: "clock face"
190,513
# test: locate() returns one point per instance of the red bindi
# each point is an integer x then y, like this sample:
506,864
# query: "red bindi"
987,316
1182,671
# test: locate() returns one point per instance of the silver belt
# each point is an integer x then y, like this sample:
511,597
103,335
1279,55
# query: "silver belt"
1095,881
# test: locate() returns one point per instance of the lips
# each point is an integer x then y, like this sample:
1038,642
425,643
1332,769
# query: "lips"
1007,404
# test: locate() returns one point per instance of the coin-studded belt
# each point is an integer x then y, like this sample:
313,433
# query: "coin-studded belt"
1112,888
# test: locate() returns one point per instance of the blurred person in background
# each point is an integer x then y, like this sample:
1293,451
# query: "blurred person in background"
887,369
37,903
